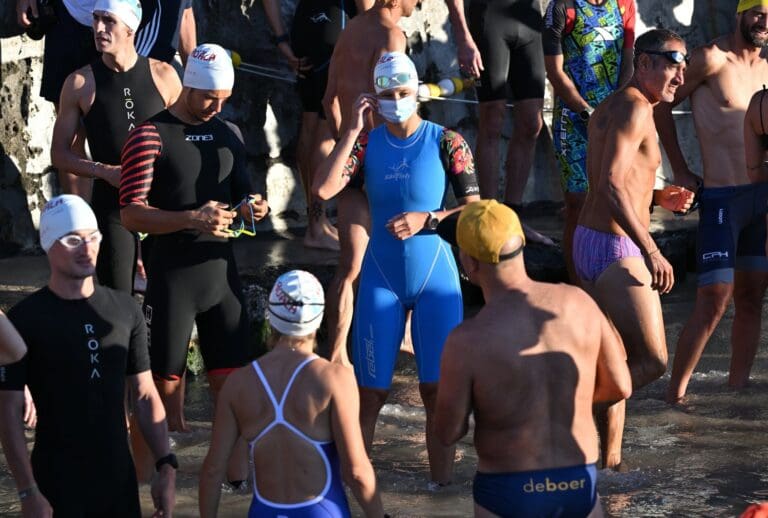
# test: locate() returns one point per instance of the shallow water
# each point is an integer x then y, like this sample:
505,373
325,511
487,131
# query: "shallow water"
709,458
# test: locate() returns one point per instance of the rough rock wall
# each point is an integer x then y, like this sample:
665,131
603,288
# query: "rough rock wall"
268,110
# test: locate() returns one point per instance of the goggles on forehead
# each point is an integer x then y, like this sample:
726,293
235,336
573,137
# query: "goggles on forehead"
673,56
386,82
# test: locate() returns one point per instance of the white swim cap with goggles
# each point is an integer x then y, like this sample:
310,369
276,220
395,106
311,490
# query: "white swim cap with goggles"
296,303
393,70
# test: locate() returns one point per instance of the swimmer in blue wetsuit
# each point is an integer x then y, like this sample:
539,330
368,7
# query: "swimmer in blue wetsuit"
299,414
405,167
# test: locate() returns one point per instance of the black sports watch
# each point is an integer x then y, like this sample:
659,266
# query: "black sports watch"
584,115
169,459
432,221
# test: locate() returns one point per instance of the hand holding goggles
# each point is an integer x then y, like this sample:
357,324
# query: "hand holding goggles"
673,56
237,228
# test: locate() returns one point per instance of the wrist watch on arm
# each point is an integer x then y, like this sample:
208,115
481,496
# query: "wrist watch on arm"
432,221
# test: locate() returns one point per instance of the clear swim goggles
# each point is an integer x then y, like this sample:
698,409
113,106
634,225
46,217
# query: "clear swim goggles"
387,82
238,227
73,241
673,56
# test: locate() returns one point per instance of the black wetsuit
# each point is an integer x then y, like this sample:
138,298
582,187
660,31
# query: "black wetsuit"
123,101
174,166
76,367
508,35
317,25
158,34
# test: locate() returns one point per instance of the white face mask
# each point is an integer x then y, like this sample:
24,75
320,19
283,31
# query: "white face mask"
398,110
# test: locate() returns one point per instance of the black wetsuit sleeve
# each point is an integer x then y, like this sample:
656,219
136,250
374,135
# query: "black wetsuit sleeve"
354,164
458,163
138,348
554,28
138,164
242,183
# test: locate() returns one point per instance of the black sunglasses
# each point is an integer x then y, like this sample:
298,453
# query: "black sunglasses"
674,56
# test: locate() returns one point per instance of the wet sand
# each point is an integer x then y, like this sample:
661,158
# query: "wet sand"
708,458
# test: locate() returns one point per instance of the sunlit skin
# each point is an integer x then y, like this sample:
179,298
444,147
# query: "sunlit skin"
109,32
754,26
661,84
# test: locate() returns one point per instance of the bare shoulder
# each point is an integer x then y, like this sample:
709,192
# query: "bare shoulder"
165,74
625,108
465,334
710,58
235,382
81,79
334,375
395,39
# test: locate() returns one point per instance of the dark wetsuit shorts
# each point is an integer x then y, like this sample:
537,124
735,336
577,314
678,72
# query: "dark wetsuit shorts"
731,232
195,282
68,46
508,35
316,27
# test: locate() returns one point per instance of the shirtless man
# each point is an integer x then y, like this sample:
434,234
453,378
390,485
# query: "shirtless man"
110,96
368,36
614,254
529,366
720,80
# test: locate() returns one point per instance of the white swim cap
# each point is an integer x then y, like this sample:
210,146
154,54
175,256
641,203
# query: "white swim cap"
209,67
395,69
296,303
63,215
129,11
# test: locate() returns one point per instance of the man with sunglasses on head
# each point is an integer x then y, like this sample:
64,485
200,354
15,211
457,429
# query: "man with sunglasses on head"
731,263
110,97
183,175
78,360
614,255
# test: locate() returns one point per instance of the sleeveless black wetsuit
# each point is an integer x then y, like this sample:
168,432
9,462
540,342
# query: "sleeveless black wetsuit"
123,101
317,25
75,367
174,166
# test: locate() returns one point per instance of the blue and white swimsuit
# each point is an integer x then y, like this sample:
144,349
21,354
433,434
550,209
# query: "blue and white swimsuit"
332,501
418,273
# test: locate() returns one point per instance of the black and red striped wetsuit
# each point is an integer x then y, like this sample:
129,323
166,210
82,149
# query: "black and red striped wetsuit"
174,166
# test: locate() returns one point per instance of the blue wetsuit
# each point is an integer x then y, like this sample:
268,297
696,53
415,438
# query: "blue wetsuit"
417,273
332,501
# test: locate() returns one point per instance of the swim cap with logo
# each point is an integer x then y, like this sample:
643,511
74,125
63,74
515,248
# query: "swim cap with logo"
128,11
63,215
209,67
296,303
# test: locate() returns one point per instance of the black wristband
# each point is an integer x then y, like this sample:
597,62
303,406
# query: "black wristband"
169,459
283,38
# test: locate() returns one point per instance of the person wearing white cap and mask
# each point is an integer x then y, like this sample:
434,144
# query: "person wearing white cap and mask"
293,401
183,172
93,340
110,97
406,166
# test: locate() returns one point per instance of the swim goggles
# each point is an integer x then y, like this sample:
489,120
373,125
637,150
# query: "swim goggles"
386,82
238,228
72,241
674,56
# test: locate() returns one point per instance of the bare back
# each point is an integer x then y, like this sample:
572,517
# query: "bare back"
288,468
533,378
719,103
622,147
360,45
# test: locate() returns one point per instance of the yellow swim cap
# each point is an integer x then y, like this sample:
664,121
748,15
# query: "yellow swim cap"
745,5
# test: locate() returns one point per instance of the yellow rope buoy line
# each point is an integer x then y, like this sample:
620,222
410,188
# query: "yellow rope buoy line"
443,90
